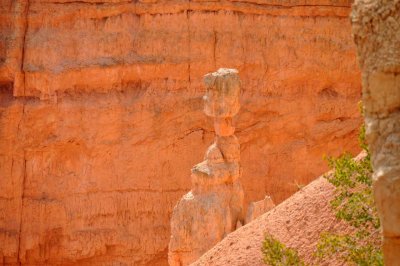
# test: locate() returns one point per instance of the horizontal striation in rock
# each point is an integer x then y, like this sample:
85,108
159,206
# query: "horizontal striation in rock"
101,121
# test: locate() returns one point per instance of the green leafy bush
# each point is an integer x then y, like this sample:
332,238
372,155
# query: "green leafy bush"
277,254
353,203
348,248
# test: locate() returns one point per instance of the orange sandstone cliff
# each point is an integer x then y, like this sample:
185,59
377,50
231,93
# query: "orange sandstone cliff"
101,114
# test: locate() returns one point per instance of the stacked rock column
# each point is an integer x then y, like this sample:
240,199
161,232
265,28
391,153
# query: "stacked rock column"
214,206
376,28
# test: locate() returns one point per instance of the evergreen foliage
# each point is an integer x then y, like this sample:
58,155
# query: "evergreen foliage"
277,254
354,204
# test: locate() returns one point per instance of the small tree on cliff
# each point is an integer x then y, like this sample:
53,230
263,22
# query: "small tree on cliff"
354,204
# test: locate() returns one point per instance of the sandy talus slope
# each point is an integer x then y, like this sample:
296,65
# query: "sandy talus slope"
297,222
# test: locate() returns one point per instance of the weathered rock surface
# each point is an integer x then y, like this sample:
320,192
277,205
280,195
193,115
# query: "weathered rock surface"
214,206
376,27
258,208
100,114
297,222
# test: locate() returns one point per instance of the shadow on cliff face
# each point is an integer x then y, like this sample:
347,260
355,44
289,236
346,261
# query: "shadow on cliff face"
6,94
128,93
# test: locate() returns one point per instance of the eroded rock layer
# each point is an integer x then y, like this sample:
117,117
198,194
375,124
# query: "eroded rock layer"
376,28
213,208
100,114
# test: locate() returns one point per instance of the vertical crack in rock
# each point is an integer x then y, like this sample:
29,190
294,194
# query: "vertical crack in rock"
189,41
25,31
214,206
376,28
215,48
21,9
19,90
22,210
22,185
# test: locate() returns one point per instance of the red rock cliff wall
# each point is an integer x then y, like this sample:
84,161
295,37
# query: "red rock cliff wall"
101,121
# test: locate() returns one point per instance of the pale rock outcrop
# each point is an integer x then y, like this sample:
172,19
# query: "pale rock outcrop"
214,206
376,27
258,208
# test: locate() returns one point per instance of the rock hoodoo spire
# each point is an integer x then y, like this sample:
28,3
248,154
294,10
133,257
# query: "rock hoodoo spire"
376,31
214,206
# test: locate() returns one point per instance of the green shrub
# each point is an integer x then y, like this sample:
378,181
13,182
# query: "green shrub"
348,248
353,203
277,254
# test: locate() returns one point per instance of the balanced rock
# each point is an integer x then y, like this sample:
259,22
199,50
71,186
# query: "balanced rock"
214,206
